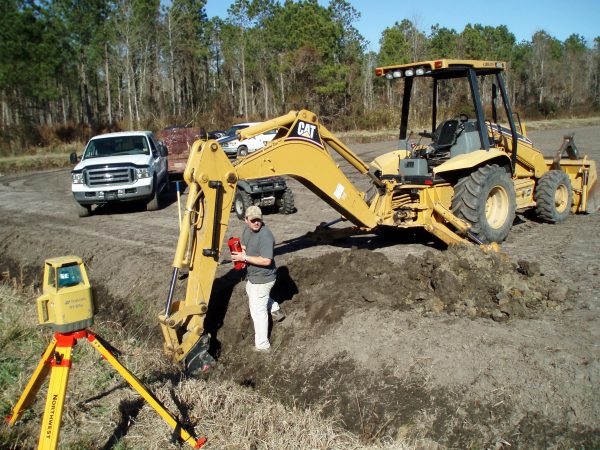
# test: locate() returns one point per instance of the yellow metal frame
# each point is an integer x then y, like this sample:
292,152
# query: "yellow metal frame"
57,361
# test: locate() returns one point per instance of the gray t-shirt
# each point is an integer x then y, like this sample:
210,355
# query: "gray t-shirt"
260,243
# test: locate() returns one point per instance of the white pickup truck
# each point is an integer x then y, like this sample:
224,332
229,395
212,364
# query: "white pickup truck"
115,167
237,148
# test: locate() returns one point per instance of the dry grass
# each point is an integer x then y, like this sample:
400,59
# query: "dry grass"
102,411
552,124
363,137
57,156
30,163
39,158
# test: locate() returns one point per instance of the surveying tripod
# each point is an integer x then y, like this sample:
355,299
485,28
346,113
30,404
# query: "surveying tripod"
57,360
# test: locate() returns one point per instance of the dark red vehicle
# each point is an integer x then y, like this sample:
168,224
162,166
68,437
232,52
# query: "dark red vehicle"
179,140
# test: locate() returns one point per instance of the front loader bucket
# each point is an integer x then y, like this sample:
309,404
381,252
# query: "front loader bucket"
584,181
593,199
590,197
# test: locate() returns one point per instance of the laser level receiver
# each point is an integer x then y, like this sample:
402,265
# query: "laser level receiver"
66,306
66,303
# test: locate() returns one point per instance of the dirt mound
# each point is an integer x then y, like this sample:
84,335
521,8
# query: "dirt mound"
463,281
363,337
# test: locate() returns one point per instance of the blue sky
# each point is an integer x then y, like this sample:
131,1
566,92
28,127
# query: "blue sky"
523,18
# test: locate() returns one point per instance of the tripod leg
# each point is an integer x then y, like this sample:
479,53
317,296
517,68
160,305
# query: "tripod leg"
59,376
145,393
33,386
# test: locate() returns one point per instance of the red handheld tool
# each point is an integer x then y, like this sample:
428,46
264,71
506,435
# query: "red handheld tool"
236,246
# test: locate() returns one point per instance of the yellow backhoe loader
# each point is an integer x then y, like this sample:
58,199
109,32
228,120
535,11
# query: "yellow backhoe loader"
463,185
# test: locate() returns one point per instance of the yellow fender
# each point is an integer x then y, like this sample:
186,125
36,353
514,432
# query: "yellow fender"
473,159
388,162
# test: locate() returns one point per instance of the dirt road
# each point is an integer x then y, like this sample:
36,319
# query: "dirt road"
370,332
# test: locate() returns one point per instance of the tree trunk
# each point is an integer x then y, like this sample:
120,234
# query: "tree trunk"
281,84
244,89
107,75
266,97
85,99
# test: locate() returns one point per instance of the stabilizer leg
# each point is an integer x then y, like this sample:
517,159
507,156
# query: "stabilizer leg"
33,386
181,433
57,389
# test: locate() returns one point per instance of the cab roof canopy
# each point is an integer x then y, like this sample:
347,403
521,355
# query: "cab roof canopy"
440,68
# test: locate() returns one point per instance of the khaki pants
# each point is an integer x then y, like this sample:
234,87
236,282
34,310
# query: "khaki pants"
260,304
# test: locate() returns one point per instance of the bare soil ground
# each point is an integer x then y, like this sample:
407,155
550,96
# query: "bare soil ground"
396,337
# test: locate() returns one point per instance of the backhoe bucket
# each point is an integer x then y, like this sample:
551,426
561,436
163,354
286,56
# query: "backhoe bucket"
198,359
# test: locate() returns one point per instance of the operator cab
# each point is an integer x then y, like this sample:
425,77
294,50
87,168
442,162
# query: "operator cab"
457,135
450,138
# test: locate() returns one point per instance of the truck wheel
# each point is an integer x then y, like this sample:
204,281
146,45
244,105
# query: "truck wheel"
242,151
167,187
554,196
84,210
486,199
285,202
242,201
154,203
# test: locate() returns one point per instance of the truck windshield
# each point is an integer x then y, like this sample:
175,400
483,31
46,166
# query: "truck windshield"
115,146
235,128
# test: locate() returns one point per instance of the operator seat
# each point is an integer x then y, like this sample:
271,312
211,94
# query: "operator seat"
445,134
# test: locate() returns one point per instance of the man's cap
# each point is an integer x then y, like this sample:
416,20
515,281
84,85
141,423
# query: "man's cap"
253,212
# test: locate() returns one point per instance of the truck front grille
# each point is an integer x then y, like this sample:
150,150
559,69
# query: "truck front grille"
107,176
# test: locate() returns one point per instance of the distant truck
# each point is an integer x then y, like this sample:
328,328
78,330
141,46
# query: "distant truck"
118,167
236,147
179,140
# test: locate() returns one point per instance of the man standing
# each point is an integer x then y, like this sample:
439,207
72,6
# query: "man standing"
257,252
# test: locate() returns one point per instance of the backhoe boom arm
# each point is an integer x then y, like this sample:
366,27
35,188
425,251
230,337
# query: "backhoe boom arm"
299,151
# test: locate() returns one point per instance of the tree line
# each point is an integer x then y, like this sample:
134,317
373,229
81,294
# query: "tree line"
101,64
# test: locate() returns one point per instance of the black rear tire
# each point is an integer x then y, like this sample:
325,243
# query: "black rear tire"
241,203
154,203
84,210
285,202
486,199
554,196
167,187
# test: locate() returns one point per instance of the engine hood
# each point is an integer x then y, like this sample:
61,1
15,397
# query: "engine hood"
136,160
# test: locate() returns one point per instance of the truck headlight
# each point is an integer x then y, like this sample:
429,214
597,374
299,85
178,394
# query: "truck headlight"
77,177
142,173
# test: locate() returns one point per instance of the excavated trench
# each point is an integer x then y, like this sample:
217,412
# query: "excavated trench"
355,329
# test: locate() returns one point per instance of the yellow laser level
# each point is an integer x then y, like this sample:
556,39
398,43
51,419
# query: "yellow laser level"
66,306
66,303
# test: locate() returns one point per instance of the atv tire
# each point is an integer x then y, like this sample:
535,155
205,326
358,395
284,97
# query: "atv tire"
285,202
554,196
241,203
486,199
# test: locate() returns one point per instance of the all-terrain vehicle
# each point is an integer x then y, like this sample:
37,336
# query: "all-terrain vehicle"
269,193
